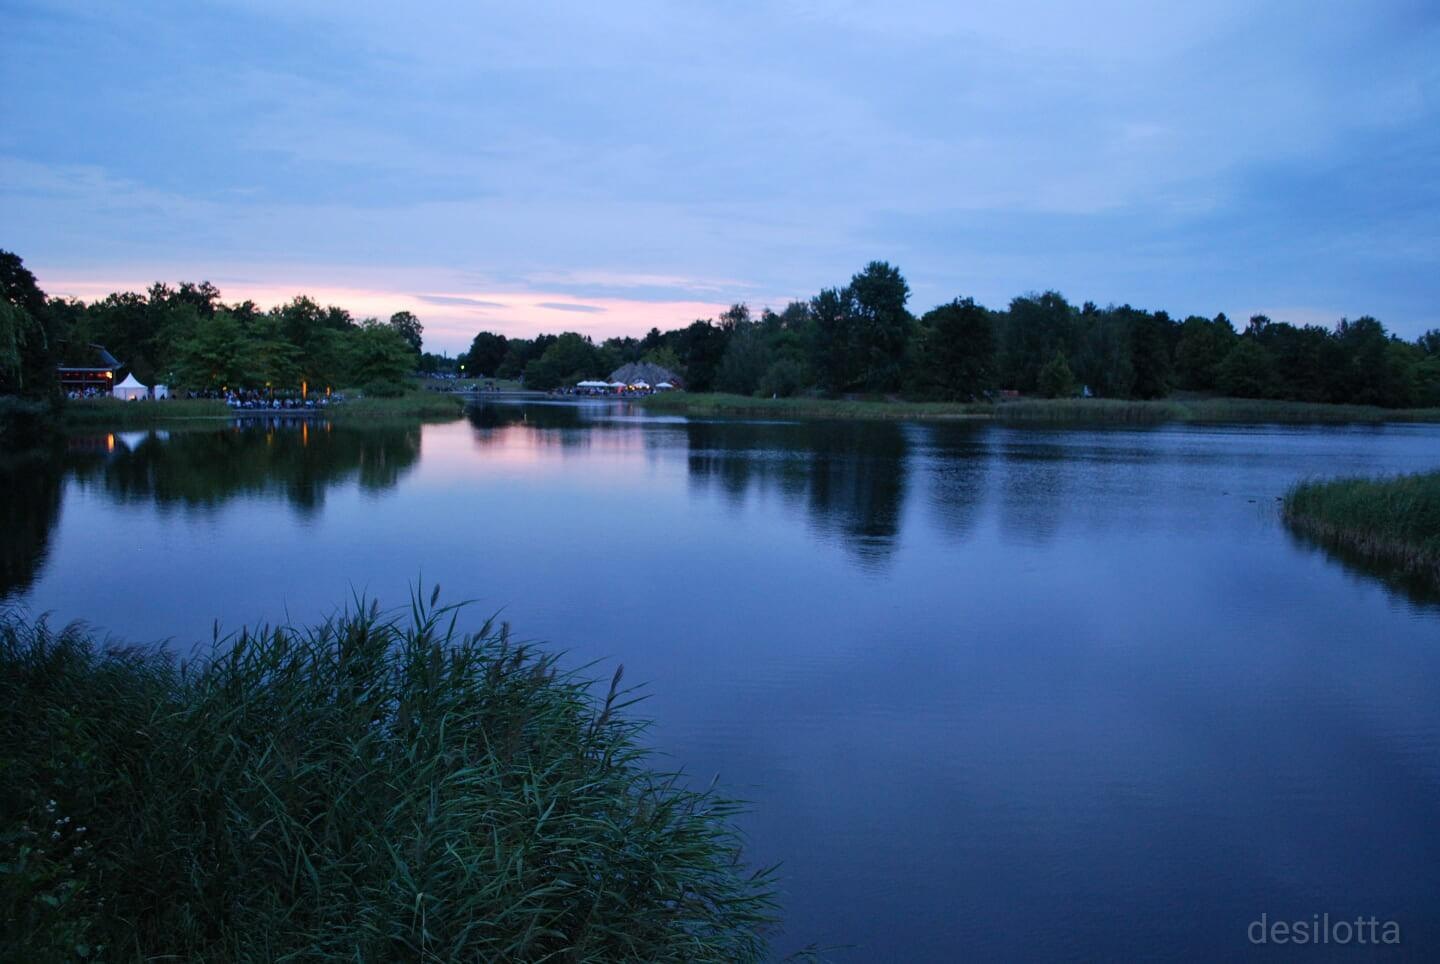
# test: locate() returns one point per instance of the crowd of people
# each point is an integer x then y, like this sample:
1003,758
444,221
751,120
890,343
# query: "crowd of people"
248,399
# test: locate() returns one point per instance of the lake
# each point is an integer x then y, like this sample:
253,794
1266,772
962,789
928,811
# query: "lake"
993,691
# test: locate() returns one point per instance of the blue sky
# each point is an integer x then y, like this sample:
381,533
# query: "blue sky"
606,167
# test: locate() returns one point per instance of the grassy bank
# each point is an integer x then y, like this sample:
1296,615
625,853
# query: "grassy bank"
1391,522
372,789
715,404
1095,410
413,405
115,413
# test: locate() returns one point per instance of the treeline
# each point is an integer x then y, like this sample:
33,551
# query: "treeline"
861,338
186,336
857,339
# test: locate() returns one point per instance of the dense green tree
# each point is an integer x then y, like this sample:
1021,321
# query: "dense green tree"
1373,373
701,345
215,355
409,328
1425,381
746,360
487,351
1104,357
621,351
880,325
29,347
834,359
1149,353
1247,371
1038,327
785,377
271,359
16,330
204,297
735,317
666,358
433,364
380,356
1055,379
123,324
955,352
570,358
18,285
328,360
1202,346
519,352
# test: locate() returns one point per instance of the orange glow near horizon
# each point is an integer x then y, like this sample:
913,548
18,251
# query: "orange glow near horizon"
451,317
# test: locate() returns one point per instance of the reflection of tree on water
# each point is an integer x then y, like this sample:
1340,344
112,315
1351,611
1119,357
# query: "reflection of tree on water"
30,486
849,475
957,458
296,462
568,424
1032,494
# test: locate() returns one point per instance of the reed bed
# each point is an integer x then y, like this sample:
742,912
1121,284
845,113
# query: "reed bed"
703,405
413,405
377,787
117,413
1056,410
1392,522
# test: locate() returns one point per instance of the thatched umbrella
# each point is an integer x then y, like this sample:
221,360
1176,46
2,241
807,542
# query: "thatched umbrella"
646,372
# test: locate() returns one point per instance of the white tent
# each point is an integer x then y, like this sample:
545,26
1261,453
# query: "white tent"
664,386
640,385
130,389
592,384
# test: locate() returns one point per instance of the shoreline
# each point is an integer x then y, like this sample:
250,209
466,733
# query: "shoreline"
112,413
428,406
1057,411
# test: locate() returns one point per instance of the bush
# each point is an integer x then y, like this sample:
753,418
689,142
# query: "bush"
364,789
1056,379
384,389
783,379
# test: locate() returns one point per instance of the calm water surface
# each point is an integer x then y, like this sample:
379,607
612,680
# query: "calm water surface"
993,691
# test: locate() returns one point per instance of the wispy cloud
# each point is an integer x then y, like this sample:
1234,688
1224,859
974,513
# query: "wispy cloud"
570,306
459,301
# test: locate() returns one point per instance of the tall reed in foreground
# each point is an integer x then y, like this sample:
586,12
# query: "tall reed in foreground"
370,789
1393,522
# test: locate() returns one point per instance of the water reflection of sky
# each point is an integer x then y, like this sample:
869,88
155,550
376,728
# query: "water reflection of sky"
967,673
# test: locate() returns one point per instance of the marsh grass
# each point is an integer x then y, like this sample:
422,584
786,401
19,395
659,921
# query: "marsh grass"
413,405
718,404
1038,410
1393,522
117,413
373,788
